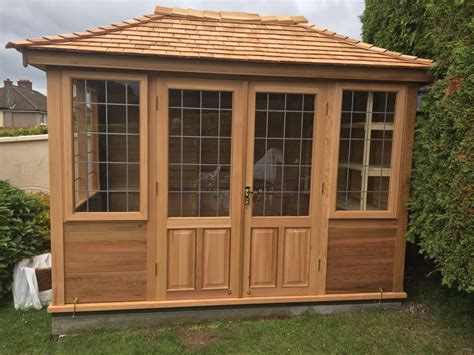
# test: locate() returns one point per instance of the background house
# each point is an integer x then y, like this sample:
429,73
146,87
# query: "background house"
21,106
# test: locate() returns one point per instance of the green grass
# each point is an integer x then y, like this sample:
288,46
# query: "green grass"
442,322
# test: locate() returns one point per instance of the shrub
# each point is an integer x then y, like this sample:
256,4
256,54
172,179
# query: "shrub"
15,132
441,206
24,230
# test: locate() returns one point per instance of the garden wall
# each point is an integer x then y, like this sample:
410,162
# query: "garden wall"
24,161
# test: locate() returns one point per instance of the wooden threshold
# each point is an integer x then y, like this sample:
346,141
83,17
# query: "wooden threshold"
115,306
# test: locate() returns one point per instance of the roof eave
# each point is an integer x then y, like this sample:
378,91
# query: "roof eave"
42,58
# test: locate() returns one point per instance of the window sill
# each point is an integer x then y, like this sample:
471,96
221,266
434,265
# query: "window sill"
363,215
106,216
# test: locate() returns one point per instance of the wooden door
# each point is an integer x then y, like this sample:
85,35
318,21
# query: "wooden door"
199,203
281,202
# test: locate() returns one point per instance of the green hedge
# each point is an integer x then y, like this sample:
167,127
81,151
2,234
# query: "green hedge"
441,204
15,132
24,230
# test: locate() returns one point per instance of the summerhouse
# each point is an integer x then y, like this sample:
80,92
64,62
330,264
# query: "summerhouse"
203,159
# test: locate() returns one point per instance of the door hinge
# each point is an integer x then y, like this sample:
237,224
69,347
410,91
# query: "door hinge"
322,188
156,269
156,104
156,187
327,108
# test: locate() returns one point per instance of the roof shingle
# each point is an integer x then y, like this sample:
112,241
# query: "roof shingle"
172,32
17,98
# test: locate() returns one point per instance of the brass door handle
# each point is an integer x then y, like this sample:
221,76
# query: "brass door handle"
247,194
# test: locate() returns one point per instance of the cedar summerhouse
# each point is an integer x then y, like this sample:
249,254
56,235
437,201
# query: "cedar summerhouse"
205,158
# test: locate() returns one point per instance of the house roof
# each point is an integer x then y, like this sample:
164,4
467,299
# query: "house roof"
16,98
238,36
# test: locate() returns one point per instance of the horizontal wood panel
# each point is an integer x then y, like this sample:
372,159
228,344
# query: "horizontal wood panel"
105,261
105,287
360,256
229,301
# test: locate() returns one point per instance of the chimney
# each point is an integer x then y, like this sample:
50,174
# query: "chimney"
25,84
7,82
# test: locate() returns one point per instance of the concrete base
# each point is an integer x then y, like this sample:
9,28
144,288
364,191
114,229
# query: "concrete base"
64,323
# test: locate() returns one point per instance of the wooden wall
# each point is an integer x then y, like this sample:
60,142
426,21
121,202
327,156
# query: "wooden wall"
105,261
360,256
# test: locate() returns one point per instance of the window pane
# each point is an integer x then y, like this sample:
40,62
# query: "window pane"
116,92
282,154
106,145
365,150
199,153
95,91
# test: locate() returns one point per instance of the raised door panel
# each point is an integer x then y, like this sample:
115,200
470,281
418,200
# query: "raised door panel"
263,257
296,257
181,259
215,259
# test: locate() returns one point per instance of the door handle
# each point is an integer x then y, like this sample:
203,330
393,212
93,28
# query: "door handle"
247,194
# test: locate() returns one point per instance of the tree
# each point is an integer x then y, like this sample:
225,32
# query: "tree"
441,206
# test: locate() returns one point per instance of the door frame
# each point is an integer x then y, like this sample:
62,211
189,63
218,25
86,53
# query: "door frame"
235,219
316,278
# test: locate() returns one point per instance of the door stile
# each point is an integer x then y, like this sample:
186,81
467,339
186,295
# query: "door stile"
319,188
236,210
161,186
246,292
152,201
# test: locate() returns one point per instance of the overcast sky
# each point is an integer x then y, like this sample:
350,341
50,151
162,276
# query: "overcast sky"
21,19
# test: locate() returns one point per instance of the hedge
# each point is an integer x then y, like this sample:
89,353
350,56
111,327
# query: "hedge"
441,205
24,230
14,132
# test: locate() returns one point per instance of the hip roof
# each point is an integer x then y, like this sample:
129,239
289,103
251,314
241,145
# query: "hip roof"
237,36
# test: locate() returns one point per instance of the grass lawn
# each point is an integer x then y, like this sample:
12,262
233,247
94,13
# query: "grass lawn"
434,320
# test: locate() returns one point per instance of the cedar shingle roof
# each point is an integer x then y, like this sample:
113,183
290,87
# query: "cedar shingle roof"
187,33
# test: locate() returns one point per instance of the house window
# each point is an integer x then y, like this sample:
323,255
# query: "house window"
365,150
43,121
106,143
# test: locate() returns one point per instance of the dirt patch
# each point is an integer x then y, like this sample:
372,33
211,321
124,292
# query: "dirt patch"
416,308
194,338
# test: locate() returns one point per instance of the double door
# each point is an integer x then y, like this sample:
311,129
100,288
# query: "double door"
239,173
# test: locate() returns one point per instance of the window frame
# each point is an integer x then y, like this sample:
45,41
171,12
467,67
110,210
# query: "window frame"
67,156
399,122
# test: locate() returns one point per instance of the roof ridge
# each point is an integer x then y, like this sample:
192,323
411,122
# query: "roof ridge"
24,96
367,46
227,15
86,33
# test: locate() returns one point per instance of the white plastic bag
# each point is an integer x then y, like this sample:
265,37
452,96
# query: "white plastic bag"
25,285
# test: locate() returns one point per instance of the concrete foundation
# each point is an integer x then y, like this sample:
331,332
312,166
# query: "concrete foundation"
65,323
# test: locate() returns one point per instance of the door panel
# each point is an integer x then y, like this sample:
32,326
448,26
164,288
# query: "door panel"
296,257
280,180
263,257
216,259
181,260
